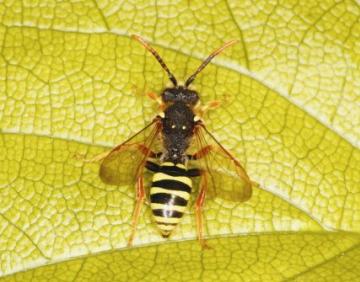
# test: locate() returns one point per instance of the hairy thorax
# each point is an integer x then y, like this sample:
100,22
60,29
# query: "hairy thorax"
178,127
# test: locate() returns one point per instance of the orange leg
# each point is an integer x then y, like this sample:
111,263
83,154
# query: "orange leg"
198,210
157,99
140,195
202,109
151,95
201,153
147,152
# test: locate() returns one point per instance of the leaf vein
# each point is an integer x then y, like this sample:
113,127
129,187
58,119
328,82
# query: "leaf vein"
341,253
26,235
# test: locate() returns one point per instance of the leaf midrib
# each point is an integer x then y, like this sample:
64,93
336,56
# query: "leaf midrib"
326,261
220,236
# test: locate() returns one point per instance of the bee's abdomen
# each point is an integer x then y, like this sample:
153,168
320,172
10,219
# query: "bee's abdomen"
169,196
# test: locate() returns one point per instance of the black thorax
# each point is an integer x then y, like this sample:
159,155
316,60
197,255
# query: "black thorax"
178,126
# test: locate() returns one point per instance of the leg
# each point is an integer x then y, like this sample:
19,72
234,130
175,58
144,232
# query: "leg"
157,99
147,152
211,105
201,153
140,191
200,200
226,157
201,110
198,210
151,95
140,194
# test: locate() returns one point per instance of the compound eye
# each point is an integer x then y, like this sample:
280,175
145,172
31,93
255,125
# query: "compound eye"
167,96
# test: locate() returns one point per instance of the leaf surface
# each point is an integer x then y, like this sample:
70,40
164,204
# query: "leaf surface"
72,82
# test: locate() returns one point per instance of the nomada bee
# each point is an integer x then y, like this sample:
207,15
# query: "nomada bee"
176,147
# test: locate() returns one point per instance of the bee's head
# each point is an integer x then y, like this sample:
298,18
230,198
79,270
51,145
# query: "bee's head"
180,94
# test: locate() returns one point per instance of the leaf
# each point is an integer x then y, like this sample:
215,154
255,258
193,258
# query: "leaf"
72,81
263,257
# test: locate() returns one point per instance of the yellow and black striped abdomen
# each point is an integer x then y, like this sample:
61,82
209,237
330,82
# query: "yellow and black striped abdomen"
169,196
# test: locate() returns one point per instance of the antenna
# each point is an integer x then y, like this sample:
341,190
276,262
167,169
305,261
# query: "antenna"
208,59
157,57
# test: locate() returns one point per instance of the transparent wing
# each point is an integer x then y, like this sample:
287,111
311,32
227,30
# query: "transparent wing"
226,178
126,161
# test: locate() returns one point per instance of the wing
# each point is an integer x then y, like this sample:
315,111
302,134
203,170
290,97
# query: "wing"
226,178
126,161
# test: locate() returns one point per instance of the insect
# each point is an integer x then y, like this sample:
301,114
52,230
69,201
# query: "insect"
176,147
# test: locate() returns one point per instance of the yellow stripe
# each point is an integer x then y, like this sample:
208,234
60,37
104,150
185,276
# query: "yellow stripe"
162,176
172,164
167,164
181,194
181,166
155,206
166,227
167,219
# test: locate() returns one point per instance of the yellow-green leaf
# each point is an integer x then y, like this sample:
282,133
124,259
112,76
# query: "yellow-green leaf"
72,82
313,256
